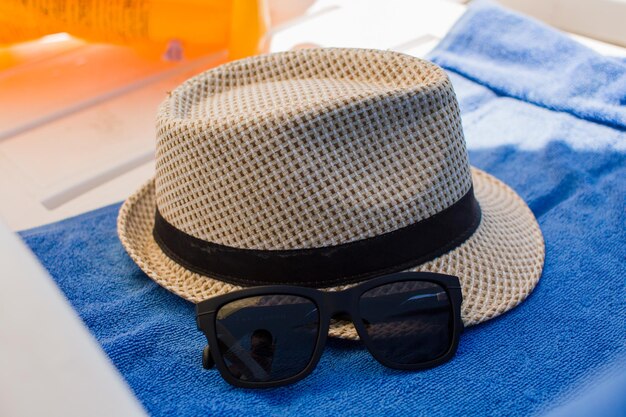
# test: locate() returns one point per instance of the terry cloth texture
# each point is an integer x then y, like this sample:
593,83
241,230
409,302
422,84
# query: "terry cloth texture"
541,112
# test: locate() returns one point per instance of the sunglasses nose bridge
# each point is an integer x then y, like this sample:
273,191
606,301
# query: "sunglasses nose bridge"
339,303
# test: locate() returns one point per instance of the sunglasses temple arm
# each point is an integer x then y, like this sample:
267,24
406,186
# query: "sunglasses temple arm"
207,359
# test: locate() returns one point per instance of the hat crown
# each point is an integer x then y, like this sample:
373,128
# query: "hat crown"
309,148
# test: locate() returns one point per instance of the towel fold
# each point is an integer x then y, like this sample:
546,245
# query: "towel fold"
542,113
522,58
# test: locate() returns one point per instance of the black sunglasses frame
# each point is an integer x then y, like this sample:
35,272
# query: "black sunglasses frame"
329,304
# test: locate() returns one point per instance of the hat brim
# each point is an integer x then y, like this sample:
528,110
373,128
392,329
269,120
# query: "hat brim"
498,266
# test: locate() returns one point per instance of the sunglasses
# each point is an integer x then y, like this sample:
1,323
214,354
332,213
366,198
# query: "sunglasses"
274,335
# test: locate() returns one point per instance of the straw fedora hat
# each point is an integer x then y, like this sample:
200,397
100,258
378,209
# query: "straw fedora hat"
325,167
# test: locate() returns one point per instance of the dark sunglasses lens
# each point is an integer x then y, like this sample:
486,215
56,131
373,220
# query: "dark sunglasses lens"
267,338
408,322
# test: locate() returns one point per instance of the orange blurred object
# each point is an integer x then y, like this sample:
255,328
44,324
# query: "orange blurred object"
170,27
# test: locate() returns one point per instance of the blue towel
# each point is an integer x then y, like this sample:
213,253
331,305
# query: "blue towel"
542,113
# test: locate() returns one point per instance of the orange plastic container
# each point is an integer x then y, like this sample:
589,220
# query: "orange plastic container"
198,26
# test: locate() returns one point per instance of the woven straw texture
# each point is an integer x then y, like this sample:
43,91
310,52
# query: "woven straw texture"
310,148
321,147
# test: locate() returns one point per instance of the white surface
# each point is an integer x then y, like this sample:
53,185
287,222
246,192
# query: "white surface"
365,24
50,364
600,19
101,150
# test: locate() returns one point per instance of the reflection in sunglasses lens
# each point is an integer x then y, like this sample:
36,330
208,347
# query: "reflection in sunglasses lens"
408,322
267,338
